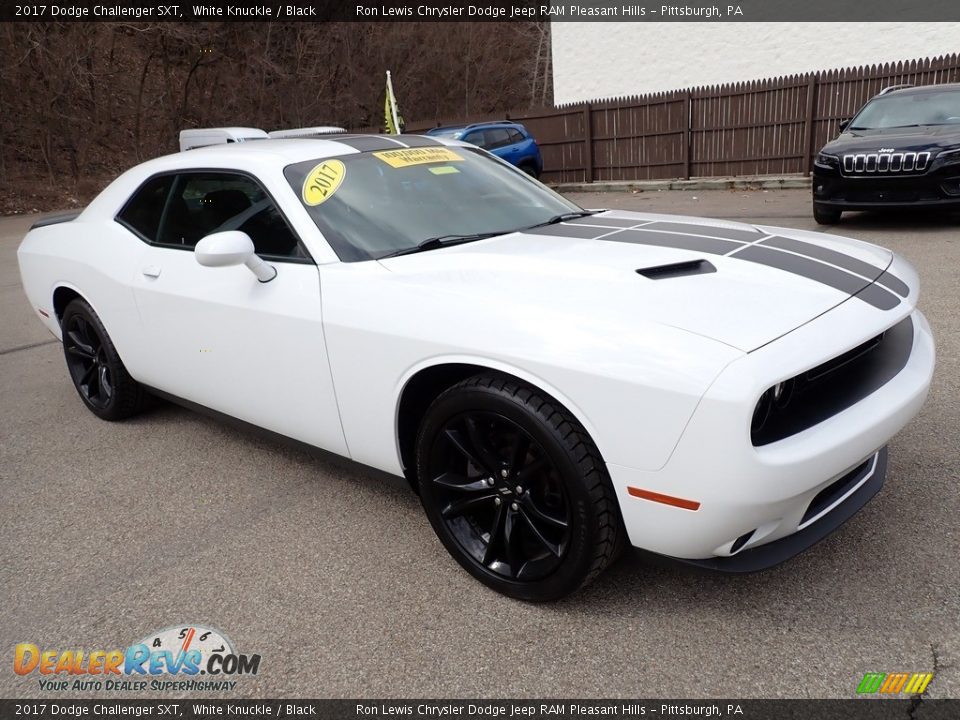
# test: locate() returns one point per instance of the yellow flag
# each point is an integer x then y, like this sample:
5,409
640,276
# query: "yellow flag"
391,115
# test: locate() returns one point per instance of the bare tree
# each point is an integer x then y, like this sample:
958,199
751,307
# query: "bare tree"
84,100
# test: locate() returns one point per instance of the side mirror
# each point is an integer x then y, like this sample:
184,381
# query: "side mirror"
843,124
232,247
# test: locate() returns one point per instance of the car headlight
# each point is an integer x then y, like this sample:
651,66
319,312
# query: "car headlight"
761,413
950,155
830,162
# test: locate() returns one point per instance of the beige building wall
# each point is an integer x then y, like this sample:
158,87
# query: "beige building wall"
605,59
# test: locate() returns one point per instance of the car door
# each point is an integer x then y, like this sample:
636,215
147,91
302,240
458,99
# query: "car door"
519,148
497,141
217,336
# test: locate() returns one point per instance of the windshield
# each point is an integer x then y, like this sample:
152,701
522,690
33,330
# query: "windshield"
373,204
928,108
446,132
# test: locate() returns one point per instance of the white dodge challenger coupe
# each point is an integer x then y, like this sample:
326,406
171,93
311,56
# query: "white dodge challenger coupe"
554,382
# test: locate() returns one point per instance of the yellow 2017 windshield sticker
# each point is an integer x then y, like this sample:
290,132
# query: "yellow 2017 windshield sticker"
323,181
417,156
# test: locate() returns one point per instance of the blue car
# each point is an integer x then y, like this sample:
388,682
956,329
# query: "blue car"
507,140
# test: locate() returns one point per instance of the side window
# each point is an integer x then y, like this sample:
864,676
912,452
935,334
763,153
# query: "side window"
496,138
515,136
205,203
476,138
144,210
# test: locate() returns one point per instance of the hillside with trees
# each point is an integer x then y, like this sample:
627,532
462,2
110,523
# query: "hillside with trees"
83,101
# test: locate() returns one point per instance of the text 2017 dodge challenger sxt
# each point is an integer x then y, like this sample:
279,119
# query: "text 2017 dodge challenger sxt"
555,382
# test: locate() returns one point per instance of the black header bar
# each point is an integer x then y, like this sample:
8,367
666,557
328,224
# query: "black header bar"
56,708
492,10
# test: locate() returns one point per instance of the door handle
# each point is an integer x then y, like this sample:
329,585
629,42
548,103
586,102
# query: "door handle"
151,271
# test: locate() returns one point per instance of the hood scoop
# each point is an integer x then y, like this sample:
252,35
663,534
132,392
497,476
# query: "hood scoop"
677,269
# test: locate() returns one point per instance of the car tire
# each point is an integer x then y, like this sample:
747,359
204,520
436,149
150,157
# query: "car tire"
516,490
530,170
95,367
826,216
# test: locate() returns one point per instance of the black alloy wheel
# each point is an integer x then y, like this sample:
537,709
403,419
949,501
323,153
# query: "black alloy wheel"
98,374
516,490
87,362
501,497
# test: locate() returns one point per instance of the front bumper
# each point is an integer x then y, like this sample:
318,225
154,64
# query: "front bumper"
750,498
938,188
851,494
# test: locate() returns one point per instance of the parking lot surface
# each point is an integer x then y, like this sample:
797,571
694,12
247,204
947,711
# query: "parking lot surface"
114,530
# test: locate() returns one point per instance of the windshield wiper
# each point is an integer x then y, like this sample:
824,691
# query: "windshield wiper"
563,217
447,240
441,241
885,127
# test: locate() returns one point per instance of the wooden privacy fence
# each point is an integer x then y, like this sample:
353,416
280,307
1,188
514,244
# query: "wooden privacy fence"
765,127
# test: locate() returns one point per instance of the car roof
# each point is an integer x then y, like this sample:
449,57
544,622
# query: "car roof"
922,89
260,157
477,126
292,150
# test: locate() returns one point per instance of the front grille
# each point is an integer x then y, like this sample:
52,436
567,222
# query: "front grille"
883,163
811,397
889,195
838,362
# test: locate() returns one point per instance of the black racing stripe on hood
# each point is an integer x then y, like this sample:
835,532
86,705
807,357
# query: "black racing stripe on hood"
878,297
608,221
582,232
839,259
821,273
894,283
643,236
416,141
813,267
367,143
708,230
639,236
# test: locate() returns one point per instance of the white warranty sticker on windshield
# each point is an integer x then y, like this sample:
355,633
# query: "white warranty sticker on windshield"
417,156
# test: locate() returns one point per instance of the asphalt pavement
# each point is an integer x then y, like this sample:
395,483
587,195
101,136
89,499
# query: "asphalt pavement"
332,574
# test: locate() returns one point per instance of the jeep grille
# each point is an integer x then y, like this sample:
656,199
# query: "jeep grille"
877,163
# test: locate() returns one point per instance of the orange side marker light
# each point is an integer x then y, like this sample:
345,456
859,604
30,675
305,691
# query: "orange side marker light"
665,499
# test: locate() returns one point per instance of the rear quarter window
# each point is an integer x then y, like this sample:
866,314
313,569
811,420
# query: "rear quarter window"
144,209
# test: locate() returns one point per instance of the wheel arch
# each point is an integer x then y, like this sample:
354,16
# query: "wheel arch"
530,162
63,295
425,382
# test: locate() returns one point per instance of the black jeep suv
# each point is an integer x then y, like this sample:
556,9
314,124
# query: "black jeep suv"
901,150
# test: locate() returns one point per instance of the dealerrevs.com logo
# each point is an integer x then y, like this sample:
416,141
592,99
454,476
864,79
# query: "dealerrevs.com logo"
179,658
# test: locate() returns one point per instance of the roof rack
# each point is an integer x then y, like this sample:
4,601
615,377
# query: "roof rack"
204,137
307,132
491,122
891,88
